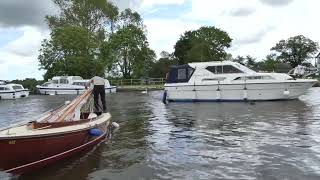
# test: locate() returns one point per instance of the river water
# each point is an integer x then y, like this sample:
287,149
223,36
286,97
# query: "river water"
262,140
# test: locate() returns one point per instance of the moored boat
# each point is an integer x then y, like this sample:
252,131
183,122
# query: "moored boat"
230,81
61,133
69,85
12,91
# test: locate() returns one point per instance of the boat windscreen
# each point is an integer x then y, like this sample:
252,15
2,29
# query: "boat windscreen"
180,74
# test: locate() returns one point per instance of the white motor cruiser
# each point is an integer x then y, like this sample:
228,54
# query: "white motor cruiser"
12,91
69,85
230,81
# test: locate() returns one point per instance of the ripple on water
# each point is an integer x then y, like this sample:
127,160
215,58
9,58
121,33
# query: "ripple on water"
265,140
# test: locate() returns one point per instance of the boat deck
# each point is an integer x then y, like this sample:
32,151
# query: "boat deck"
27,130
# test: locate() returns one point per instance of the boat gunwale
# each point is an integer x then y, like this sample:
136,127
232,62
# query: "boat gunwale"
244,83
89,126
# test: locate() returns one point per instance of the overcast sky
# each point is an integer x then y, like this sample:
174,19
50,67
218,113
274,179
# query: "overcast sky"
254,25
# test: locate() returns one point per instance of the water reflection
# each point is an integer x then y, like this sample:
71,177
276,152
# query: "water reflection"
262,140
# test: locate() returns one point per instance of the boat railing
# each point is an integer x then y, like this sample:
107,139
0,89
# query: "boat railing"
137,82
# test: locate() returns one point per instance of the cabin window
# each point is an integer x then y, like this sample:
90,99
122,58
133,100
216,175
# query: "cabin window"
190,71
253,78
64,81
214,79
219,70
46,84
17,87
227,69
230,69
55,82
79,83
180,74
2,88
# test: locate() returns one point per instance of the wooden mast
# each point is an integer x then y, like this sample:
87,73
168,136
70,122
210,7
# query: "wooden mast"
68,109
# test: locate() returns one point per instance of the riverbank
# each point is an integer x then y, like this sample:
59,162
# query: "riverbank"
140,88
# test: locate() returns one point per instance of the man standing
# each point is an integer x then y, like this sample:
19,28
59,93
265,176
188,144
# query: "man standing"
98,90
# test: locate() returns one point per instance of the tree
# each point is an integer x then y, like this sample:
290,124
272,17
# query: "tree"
295,50
239,59
77,35
127,52
250,62
71,51
271,64
161,67
204,44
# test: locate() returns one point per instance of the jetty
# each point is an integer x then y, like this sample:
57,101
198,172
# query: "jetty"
139,84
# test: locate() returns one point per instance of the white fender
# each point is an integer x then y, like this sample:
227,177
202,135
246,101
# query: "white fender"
286,92
218,94
115,125
245,94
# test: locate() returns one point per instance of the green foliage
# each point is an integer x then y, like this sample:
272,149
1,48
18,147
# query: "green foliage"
251,62
161,67
127,52
204,44
71,51
28,83
295,50
90,36
239,59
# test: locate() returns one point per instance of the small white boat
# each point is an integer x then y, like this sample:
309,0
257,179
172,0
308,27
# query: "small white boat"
12,91
69,85
230,81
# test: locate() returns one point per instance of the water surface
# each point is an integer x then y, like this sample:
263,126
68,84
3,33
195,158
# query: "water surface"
262,140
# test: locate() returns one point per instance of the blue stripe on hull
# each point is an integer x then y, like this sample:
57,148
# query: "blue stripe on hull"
222,100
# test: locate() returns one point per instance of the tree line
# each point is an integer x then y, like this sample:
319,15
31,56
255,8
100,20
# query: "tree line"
93,37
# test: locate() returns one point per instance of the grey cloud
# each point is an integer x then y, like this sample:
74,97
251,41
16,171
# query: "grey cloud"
254,38
276,2
15,13
242,12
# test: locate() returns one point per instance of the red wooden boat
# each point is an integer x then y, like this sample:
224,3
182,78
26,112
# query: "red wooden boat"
56,136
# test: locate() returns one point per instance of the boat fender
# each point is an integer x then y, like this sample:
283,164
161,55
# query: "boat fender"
164,97
245,94
286,92
95,132
92,115
115,125
218,94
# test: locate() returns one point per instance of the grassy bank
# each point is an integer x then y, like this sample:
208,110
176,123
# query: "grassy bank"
140,87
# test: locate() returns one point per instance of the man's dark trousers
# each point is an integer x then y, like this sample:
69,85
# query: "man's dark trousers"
99,90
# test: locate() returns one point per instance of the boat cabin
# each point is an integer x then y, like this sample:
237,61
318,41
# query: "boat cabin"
216,71
10,87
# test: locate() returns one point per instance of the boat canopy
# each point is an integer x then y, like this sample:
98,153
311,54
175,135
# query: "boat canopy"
180,74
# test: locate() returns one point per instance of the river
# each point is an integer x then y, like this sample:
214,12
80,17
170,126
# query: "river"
262,140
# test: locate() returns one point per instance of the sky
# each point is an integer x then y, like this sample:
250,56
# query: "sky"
254,25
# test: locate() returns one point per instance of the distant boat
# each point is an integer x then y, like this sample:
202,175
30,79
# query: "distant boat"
69,85
55,136
230,81
12,91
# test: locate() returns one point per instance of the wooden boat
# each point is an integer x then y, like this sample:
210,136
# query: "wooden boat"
55,136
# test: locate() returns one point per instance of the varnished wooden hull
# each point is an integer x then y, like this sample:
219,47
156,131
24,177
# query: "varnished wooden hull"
23,154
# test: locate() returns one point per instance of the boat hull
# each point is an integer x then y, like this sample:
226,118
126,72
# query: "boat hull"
14,94
23,154
66,91
237,92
